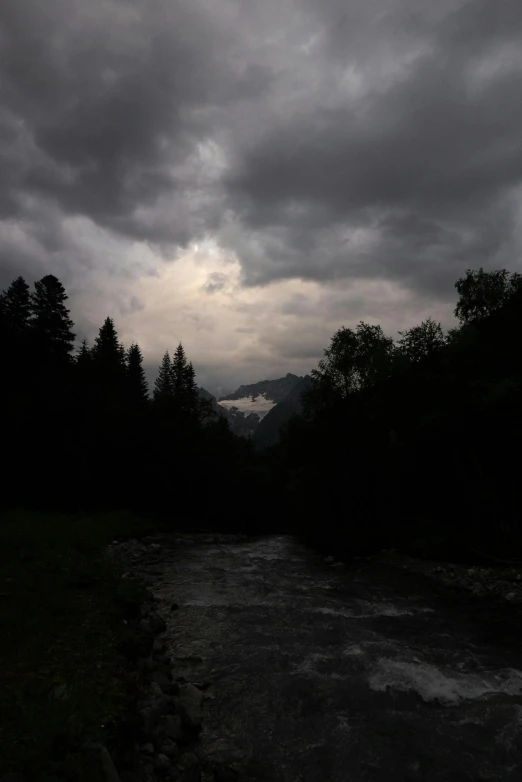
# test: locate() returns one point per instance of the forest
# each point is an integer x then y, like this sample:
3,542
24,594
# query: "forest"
412,442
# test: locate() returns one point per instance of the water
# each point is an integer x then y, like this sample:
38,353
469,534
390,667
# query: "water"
321,672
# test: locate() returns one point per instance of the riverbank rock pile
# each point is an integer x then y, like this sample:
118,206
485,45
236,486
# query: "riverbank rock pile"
502,582
170,717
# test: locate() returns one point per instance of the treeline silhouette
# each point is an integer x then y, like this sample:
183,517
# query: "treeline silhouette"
415,443
80,433
412,443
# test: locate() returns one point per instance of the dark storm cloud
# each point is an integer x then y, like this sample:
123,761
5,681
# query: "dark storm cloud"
101,102
427,163
348,143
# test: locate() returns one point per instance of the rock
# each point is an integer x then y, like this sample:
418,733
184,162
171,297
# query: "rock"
191,775
170,727
189,704
156,622
59,692
169,748
519,577
155,690
471,571
328,559
147,749
225,774
162,659
174,607
158,646
161,680
146,627
510,596
162,763
187,760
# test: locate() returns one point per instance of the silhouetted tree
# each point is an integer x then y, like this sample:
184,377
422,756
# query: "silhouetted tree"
51,324
163,384
481,293
355,360
137,387
15,307
421,341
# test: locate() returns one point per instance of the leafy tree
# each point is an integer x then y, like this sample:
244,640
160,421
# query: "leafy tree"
137,386
481,293
421,341
355,360
51,323
163,383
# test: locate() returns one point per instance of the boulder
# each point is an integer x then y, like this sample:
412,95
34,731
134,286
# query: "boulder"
156,622
169,748
189,702
162,763
170,727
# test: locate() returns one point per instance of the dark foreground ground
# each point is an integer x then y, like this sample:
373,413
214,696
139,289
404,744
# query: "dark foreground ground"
324,671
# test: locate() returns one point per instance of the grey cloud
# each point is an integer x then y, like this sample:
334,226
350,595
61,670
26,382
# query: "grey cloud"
215,282
336,142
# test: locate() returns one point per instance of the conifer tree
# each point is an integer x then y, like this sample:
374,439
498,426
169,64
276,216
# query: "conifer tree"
137,387
179,374
108,362
107,349
191,391
51,324
163,383
16,306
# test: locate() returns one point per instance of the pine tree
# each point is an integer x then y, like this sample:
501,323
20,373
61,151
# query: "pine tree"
107,349
137,387
84,355
185,390
179,374
163,383
16,306
191,391
108,362
51,324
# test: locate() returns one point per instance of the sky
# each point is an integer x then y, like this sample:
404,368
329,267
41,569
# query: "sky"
246,177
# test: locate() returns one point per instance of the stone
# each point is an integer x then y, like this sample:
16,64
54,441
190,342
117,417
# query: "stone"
169,748
510,596
328,559
170,727
156,622
224,774
161,680
158,646
187,760
155,690
189,704
191,775
174,607
162,763
145,627
147,749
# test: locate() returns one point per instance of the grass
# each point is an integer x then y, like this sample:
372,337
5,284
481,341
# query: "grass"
62,610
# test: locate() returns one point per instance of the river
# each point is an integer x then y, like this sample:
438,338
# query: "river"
319,670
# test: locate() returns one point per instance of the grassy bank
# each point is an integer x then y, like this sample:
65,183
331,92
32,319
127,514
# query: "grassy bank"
63,613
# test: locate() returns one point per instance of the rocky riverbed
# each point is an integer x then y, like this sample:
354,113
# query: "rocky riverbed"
311,669
503,581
